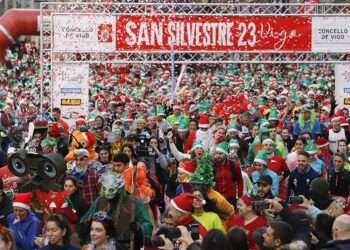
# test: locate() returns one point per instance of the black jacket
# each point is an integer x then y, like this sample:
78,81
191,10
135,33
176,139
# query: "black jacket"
79,204
337,245
339,183
54,247
5,209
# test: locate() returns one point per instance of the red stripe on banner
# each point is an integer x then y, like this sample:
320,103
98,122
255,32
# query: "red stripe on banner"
210,34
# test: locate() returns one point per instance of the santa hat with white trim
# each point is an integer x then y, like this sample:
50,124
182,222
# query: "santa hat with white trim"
183,203
22,200
203,121
261,158
197,144
321,142
223,148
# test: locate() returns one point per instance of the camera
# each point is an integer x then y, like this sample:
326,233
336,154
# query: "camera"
143,149
295,200
261,205
173,233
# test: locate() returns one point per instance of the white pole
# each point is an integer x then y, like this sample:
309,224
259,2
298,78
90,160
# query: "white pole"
173,80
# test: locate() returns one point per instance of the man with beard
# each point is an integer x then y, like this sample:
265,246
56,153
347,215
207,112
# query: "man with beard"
338,178
264,190
300,179
335,134
227,174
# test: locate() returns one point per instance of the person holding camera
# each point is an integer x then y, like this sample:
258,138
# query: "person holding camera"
247,219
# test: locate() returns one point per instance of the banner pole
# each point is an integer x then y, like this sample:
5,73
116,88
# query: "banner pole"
173,80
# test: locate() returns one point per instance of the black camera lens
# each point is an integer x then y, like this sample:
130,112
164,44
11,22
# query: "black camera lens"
295,200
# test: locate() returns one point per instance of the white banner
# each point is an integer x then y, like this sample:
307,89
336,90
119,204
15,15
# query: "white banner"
331,34
70,88
342,85
83,33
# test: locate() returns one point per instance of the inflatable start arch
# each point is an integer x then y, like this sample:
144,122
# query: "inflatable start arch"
17,22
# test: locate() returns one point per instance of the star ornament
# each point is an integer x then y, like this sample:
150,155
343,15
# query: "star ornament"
104,33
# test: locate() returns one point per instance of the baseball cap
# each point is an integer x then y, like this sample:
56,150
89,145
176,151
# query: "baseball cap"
265,179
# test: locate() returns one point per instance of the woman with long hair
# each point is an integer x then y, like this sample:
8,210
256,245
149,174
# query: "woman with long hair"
102,234
75,200
58,234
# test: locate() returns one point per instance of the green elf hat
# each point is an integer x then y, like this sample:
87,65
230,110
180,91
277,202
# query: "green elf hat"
223,148
310,147
49,142
197,144
204,174
232,127
233,143
91,116
306,107
273,115
261,158
183,127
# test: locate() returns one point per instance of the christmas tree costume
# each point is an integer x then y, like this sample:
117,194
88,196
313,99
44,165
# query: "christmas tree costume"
204,176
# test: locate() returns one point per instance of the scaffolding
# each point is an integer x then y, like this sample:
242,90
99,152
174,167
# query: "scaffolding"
178,9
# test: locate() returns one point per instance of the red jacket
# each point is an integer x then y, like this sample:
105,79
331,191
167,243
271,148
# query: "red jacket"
228,179
238,221
278,165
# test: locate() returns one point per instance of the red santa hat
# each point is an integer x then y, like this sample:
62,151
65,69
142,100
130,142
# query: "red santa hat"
343,122
203,121
247,200
183,203
321,142
335,118
91,139
22,200
80,122
187,167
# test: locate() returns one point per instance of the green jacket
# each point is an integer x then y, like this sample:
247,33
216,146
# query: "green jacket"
120,212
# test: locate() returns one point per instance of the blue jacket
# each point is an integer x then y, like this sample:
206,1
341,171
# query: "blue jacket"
24,231
297,130
299,183
275,181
